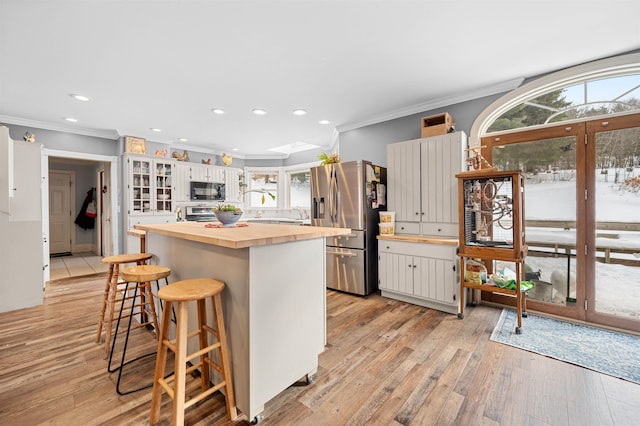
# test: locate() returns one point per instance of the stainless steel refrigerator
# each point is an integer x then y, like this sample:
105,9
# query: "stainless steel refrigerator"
350,195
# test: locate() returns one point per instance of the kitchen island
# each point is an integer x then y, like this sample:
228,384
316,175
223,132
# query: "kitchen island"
274,302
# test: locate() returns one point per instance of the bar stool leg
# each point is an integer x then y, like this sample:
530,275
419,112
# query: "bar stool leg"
161,362
224,357
111,306
180,369
107,288
115,337
204,342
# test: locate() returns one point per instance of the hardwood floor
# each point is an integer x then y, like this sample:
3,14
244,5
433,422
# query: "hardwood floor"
386,363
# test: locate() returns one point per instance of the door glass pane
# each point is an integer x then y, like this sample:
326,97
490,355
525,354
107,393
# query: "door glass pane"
617,179
549,167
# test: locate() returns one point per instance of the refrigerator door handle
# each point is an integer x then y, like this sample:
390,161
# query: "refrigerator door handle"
333,196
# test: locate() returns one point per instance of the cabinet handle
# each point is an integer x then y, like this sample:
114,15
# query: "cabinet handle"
414,266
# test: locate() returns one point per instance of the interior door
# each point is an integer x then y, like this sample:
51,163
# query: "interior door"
60,214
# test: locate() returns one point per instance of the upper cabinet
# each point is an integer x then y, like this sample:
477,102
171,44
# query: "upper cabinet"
233,191
422,183
206,173
150,185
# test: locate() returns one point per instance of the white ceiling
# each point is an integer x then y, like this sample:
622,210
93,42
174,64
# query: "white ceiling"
166,64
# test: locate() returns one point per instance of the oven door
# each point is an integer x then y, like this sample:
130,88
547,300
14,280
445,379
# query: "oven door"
346,270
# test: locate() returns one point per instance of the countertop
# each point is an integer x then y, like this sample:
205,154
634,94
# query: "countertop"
420,239
253,234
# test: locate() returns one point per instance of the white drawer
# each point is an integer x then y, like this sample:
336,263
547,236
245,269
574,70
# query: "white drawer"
407,228
434,251
440,229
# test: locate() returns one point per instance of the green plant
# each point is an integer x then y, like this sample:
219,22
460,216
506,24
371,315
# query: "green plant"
328,159
221,207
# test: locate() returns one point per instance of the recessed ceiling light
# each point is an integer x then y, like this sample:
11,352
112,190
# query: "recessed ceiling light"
155,129
218,111
183,140
235,149
258,111
80,97
71,119
324,122
299,112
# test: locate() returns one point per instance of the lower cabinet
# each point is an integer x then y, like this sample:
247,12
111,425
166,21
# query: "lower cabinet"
421,273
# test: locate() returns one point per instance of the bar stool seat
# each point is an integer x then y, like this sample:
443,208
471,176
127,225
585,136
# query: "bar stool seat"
110,290
140,277
181,293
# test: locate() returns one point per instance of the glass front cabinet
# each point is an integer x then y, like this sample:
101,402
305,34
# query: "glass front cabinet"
150,186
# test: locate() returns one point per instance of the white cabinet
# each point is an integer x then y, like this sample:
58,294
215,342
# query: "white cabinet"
150,185
206,173
181,179
422,188
421,273
232,185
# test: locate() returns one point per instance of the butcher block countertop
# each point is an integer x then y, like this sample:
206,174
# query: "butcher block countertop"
246,235
420,239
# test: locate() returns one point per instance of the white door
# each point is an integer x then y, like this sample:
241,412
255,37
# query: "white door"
60,214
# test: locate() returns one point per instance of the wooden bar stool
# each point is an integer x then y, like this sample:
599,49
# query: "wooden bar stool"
181,293
139,277
110,290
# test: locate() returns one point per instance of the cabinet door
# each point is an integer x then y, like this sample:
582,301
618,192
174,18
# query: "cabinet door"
140,186
396,272
232,185
181,182
163,179
435,279
198,173
216,174
25,205
442,157
403,179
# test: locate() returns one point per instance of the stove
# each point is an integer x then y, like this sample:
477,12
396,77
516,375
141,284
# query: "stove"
200,214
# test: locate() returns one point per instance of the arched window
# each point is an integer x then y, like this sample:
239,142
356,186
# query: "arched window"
601,88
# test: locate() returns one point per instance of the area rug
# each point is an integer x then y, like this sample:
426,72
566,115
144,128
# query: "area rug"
607,352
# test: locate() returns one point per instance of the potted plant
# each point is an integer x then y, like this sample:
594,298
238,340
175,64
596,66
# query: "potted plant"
227,214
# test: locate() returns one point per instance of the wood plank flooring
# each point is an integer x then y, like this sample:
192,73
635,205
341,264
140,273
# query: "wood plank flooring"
386,363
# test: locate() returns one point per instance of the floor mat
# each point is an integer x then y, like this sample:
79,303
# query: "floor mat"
604,351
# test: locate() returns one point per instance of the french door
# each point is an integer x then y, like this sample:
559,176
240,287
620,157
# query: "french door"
582,217
613,263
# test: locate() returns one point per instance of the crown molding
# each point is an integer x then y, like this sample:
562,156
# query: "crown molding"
504,86
105,134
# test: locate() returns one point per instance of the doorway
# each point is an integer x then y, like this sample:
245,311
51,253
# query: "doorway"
86,168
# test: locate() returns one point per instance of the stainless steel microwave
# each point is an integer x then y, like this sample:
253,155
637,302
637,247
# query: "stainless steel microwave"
206,191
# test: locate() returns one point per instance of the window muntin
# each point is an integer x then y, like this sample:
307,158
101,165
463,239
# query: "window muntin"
595,97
